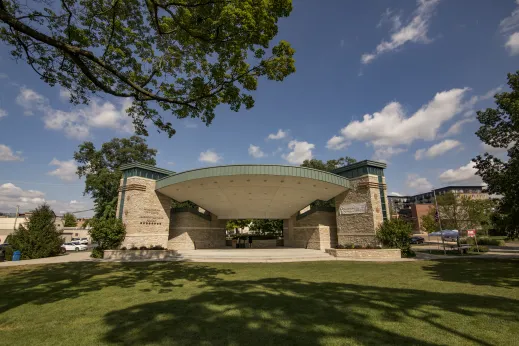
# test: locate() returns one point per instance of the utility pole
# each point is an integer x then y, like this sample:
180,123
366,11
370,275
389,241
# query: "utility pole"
439,221
16,218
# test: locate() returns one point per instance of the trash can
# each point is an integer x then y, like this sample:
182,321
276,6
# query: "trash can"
16,255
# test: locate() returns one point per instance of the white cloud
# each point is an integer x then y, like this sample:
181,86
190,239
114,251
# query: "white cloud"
383,154
462,175
256,152
6,154
456,127
12,195
66,170
341,43
209,156
171,163
300,151
495,151
3,113
30,101
337,143
512,44
3,76
395,194
279,135
78,122
418,184
512,22
414,31
437,149
64,95
190,125
390,126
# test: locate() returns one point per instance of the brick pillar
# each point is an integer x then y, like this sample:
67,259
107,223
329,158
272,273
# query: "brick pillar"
359,210
144,212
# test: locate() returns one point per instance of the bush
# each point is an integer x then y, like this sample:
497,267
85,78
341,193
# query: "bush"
483,241
8,251
395,234
123,248
39,237
143,248
156,247
97,253
482,248
109,234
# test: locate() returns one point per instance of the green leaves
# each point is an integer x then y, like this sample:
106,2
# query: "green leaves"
500,129
184,57
108,234
69,220
101,169
39,237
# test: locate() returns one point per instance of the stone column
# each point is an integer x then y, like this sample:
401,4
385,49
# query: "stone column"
144,212
359,211
190,229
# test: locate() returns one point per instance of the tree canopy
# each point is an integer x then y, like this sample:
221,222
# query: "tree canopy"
184,56
500,129
69,220
329,165
39,237
101,169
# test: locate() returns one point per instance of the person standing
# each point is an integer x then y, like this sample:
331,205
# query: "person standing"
250,241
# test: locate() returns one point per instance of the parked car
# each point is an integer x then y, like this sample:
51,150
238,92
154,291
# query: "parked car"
417,240
74,246
83,241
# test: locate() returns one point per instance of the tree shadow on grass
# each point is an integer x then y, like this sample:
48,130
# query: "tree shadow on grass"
51,283
477,271
282,311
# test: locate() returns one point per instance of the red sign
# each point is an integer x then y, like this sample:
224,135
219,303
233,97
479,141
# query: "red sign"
471,233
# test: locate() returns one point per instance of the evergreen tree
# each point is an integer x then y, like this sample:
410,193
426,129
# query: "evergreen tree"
69,220
39,237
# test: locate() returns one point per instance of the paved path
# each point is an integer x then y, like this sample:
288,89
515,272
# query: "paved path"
81,256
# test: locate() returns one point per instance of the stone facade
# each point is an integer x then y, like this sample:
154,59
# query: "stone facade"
315,231
189,231
360,228
365,253
145,213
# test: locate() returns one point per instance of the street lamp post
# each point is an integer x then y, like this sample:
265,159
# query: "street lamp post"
439,221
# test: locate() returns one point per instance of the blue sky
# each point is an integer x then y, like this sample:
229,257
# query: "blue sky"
398,81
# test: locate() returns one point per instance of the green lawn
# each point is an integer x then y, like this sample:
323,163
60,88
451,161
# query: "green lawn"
456,301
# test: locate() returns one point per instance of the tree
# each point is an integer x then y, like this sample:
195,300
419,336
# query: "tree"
108,234
69,220
184,56
396,234
267,226
451,212
479,213
329,165
101,169
237,223
500,129
429,224
39,237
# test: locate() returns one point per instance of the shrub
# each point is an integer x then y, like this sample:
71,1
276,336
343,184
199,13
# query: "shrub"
482,248
157,247
109,234
483,241
97,253
123,248
395,234
143,248
39,237
134,248
8,251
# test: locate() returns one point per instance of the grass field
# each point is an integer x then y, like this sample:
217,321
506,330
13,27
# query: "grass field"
456,301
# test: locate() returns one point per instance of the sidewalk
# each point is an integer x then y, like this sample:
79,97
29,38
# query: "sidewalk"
68,257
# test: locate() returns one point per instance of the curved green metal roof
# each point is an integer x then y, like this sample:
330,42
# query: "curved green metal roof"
280,170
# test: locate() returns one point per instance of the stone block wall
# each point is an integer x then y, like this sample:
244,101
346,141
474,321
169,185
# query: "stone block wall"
360,228
145,213
315,231
189,231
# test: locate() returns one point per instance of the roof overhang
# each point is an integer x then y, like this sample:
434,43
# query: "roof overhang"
253,191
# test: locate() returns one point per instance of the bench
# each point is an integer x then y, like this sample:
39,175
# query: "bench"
462,248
